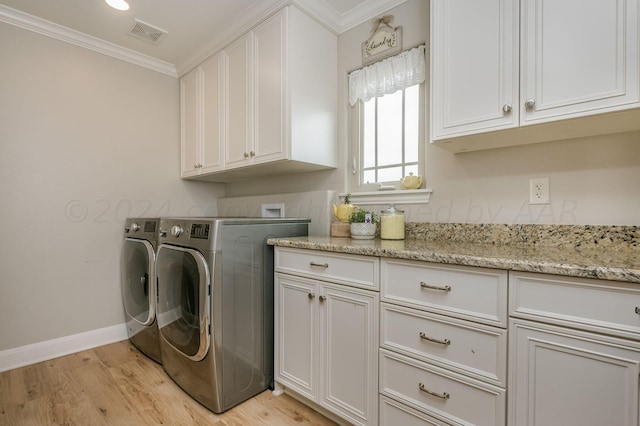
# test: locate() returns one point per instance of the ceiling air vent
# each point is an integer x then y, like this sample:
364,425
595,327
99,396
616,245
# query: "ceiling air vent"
147,32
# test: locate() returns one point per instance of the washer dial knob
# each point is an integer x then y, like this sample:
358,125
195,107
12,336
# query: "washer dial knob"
134,227
176,230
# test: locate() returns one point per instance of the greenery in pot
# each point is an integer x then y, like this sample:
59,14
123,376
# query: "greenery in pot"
363,224
360,216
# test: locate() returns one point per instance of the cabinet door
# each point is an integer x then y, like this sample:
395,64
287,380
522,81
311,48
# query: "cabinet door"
296,334
269,90
571,378
212,114
579,57
349,343
190,122
474,66
239,100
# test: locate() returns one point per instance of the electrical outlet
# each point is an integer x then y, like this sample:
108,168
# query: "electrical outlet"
539,191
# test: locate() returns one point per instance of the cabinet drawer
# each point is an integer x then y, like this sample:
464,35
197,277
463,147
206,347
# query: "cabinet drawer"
349,269
476,350
590,304
456,398
476,294
394,413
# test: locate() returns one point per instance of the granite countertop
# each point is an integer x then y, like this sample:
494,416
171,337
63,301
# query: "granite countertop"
617,262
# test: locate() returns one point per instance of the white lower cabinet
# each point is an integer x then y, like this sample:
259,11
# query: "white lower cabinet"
443,339
561,376
326,340
574,351
441,393
445,331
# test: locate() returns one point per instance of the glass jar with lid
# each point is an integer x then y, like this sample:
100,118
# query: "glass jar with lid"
392,223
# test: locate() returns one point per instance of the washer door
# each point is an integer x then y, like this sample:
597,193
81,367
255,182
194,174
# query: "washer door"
137,273
183,295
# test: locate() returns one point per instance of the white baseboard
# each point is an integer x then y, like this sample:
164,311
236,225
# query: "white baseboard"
43,351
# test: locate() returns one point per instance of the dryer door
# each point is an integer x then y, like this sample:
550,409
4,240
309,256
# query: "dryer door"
183,300
137,265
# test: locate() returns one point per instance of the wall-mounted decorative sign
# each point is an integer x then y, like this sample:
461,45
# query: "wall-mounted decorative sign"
384,41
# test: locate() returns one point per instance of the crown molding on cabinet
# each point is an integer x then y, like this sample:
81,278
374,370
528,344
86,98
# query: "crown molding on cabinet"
231,31
41,26
341,22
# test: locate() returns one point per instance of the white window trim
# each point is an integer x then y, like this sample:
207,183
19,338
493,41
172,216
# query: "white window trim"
392,192
395,196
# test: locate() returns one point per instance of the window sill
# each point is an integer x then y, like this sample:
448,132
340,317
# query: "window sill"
406,196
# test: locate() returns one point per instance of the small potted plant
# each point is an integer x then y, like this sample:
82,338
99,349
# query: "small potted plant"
363,224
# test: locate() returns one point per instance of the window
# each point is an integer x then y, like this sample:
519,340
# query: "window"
389,148
387,121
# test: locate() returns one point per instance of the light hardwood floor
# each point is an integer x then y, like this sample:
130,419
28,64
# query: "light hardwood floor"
118,385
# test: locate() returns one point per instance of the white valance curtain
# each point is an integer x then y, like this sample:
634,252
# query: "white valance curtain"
388,76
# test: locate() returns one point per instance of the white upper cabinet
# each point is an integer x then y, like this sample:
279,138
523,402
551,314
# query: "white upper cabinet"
202,118
190,123
279,100
238,102
578,57
474,66
509,64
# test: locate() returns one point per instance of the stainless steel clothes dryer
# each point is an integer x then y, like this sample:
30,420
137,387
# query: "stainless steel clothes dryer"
137,269
215,305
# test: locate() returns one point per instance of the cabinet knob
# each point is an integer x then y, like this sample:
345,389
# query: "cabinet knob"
530,103
246,155
311,296
322,298
252,153
507,108
637,310
195,165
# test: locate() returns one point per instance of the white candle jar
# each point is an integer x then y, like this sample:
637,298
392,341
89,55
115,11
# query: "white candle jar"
392,224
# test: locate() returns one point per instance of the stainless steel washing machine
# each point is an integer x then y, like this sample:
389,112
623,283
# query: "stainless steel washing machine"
215,305
137,269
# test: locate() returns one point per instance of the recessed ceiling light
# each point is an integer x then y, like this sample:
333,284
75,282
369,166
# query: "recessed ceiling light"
118,4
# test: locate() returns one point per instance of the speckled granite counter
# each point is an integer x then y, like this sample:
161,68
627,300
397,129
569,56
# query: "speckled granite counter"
605,260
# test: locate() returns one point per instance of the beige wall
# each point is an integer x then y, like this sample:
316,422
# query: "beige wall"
592,180
85,141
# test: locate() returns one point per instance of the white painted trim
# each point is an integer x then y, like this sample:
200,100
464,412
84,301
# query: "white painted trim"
397,196
231,31
340,23
67,35
43,351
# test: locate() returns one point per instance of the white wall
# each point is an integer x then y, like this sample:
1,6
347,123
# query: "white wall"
592,180
85,141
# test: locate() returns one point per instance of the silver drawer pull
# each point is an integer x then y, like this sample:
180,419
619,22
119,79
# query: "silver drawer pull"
442,395
435,287
431,339
321,265
637,310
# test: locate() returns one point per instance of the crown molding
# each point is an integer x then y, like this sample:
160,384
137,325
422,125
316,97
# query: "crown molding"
41,26
340,23
251,17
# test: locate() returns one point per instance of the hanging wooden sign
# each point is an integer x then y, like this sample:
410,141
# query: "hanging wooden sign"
385,41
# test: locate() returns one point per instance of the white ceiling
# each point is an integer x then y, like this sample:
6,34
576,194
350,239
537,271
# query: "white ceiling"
195,28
